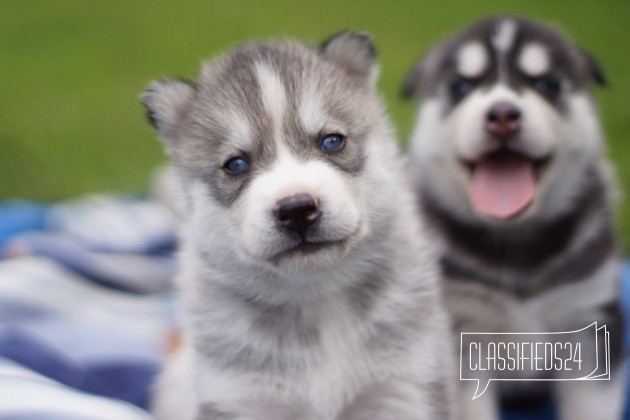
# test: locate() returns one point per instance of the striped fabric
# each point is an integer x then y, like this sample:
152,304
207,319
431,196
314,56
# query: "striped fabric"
27,395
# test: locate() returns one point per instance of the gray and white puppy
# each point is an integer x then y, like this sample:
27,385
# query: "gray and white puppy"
308,288
511,170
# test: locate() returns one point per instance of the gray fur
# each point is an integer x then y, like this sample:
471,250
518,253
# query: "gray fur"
553,267
209,411
341,321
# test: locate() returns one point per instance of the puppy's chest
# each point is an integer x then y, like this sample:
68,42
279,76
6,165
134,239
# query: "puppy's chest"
321,342
322,359
521,282
487,308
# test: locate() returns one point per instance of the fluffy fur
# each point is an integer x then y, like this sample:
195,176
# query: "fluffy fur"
555,265
344,321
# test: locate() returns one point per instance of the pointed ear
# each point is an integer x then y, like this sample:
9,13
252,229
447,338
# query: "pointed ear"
165,101
413,81
417,81
594,70
354,52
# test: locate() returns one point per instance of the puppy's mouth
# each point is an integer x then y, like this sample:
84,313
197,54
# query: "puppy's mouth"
313,246
306,247
503,183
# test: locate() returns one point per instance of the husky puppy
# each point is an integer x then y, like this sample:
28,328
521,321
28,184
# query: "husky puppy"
511,171
307,286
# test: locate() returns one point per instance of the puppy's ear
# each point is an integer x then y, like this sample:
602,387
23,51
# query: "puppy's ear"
418,80
413,82
594,70
165,101
354,52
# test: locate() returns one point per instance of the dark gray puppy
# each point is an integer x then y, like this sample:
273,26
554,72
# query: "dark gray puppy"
511,170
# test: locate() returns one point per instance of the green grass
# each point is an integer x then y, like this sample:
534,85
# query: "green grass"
71,71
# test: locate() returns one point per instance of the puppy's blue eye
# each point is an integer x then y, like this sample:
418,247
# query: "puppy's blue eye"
461,88
236,165
332,142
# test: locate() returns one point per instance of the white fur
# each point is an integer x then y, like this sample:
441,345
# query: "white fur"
241,135
586,400
182,401
472,59
484,408
441,144
504,36
534,60
273,94
579,142
337,198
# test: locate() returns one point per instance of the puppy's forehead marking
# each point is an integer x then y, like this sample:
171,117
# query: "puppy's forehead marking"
504,36
534,59
273,93
472,59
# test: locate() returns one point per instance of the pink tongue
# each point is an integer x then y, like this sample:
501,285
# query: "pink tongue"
502,185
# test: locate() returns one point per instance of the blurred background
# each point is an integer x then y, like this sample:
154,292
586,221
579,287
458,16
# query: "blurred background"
71,72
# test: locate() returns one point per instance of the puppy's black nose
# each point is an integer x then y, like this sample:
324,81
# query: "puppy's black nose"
297,212
503,120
